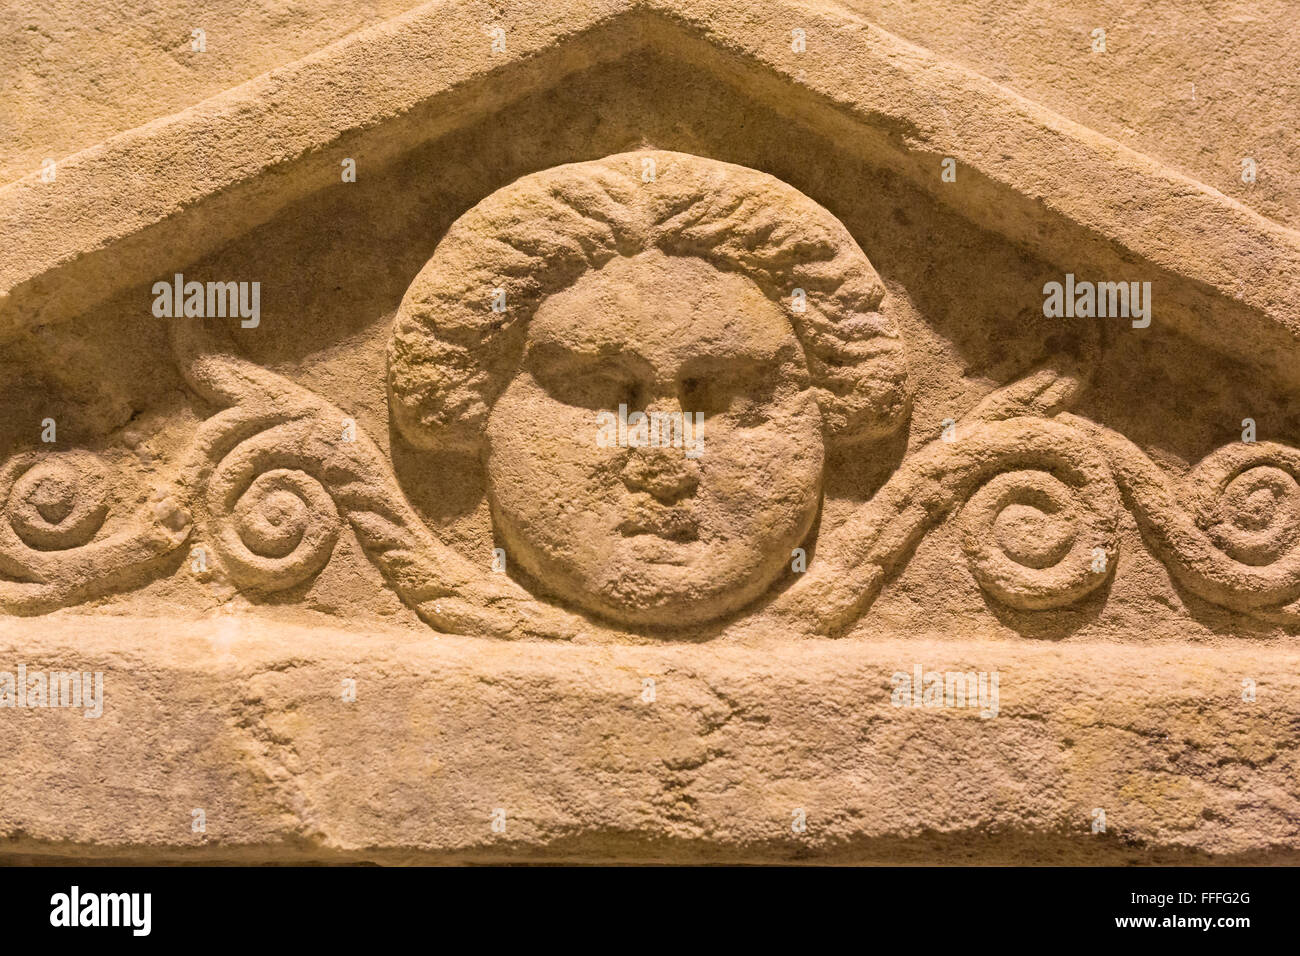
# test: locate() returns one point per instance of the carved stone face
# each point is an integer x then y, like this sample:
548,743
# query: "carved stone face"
650,535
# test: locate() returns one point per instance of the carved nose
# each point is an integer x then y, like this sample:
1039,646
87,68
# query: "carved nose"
664,473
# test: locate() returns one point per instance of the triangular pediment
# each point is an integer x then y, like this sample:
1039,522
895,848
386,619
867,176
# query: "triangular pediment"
685,429
190,182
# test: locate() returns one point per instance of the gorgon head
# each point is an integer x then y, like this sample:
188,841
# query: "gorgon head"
671,285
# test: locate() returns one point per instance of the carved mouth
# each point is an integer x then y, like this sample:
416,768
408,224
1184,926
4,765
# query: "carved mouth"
672,524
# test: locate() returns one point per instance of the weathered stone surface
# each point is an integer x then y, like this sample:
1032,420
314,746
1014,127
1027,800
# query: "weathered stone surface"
667,446
1218,82
245,720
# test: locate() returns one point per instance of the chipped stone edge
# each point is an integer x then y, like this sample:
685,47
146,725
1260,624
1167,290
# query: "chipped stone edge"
229,726
140,178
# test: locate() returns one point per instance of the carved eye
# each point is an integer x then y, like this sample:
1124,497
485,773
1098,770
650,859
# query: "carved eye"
586,381
603,390
711,396
742,392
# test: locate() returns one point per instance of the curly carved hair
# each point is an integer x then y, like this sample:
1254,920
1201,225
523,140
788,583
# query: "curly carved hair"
450,355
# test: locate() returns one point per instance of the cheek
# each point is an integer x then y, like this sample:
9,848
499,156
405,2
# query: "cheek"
764,482
546,469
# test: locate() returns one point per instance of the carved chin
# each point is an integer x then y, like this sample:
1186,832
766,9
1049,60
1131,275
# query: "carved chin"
645,580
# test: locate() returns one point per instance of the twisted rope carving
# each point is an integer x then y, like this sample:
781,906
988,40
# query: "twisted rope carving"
1037,492
1033,464
1236,541
278,480
1040,500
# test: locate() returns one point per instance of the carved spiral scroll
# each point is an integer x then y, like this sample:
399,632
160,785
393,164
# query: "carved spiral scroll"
1247,499
53,508
1037,500
1228,531
279,483
59,502
275,527
1035,541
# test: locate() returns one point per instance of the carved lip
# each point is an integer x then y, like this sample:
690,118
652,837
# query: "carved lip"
676,524
654,549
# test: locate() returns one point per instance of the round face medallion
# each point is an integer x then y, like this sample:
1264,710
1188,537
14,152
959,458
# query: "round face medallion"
659,454
651,368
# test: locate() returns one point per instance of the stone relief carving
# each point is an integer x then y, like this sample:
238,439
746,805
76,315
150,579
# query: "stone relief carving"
596,285
671,295
51,552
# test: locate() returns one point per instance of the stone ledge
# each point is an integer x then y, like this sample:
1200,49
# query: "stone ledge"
168,187
245,719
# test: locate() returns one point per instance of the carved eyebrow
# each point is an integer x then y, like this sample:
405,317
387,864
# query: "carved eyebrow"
559,356
707,366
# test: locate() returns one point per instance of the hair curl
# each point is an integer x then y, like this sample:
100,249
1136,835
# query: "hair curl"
450,355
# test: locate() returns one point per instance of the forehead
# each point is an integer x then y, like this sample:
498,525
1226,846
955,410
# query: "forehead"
664,308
